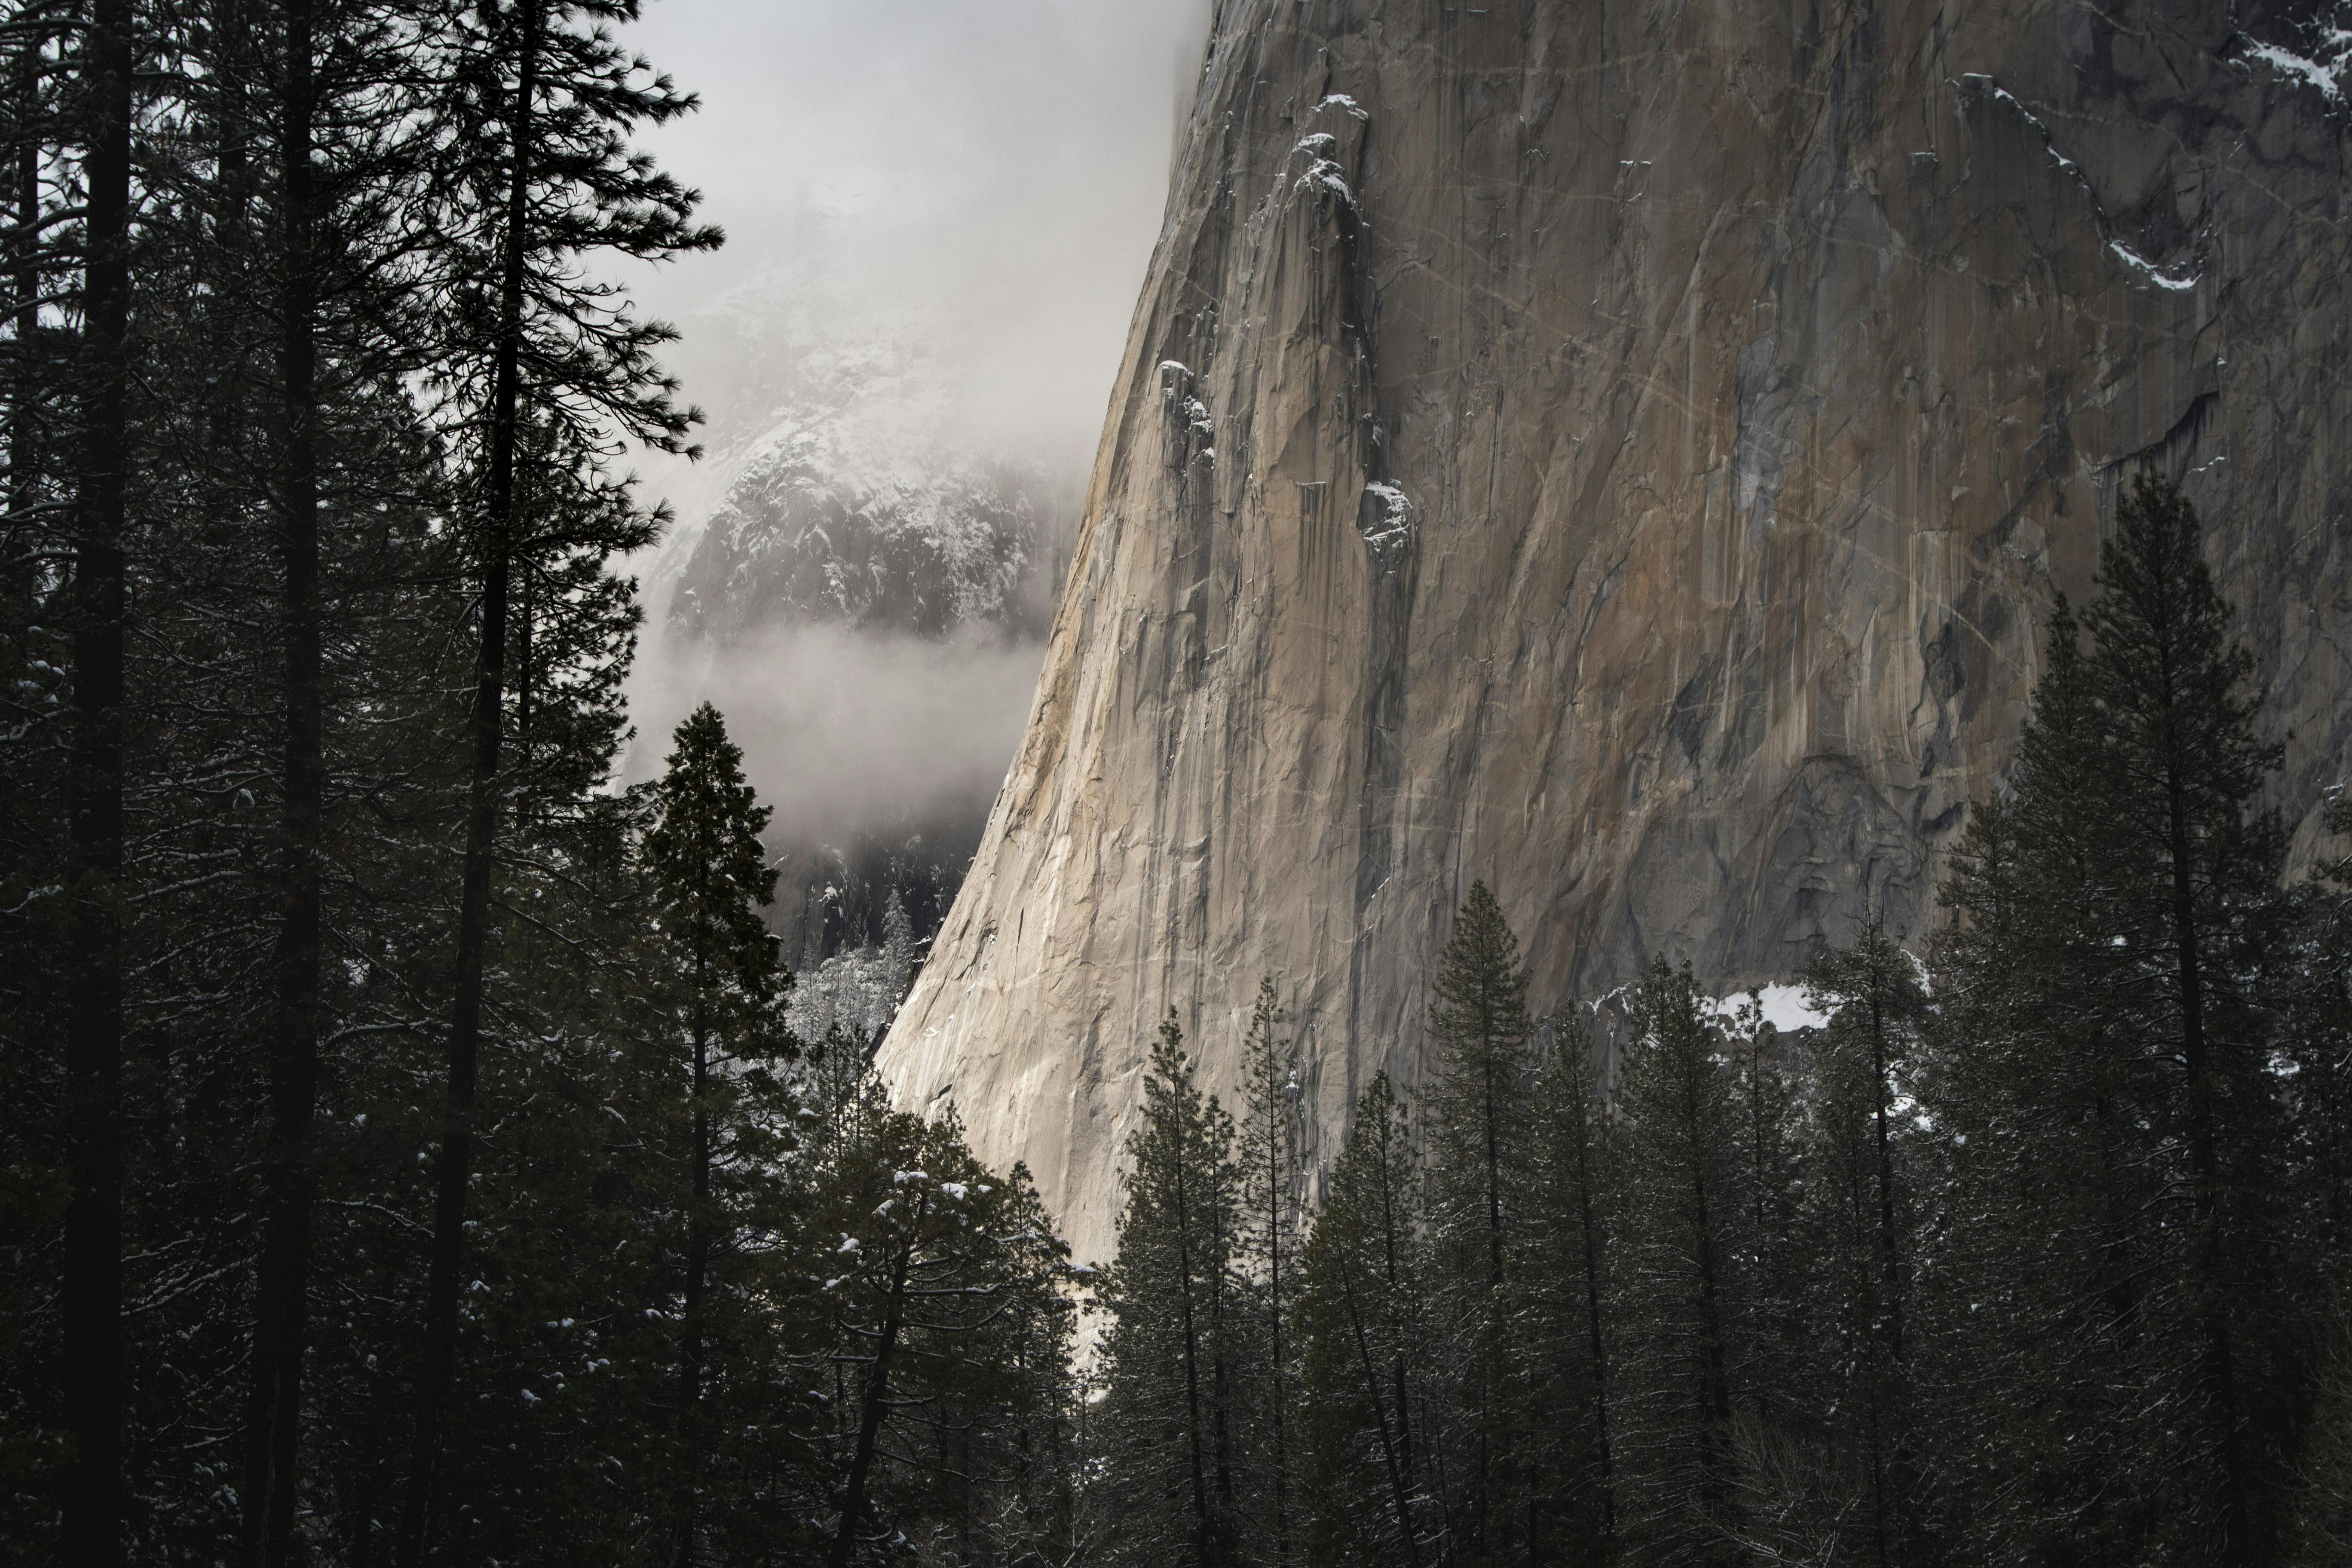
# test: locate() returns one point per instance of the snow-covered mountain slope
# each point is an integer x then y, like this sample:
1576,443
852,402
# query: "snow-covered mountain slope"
860,507
861,585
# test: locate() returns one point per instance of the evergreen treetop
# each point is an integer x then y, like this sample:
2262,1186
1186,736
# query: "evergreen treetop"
709,875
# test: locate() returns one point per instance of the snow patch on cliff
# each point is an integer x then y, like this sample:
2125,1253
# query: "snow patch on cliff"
2149,270
2331,53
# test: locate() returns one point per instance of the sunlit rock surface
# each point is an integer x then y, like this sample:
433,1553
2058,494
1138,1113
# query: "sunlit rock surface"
1623,452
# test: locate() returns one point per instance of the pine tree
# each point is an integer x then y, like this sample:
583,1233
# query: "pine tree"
2110,1036
1364,1334
280,1323
1859,1226
948,1337
1563,1293
1177,1339
1676,1396
2322,1532
897,955
2318,1032
1781,1471
1272,1210
1478,1138
551,95
93,1303
710,879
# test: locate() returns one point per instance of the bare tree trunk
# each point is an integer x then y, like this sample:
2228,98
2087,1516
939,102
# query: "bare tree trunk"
279,1331
482,830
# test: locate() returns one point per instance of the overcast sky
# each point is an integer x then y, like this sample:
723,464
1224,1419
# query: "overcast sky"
994,168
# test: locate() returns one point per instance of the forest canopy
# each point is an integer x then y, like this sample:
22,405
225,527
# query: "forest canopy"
406,1155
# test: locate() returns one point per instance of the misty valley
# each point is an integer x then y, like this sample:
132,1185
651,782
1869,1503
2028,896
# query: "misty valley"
1245,783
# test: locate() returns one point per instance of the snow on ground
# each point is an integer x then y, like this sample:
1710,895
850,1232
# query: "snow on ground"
1785,1008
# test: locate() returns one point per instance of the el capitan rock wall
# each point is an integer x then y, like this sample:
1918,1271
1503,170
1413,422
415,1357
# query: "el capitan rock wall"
1624,451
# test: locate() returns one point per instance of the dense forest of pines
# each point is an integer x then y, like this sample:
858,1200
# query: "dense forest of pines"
404,1155
2034,1252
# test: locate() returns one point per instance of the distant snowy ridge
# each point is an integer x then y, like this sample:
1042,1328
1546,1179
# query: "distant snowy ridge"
857,506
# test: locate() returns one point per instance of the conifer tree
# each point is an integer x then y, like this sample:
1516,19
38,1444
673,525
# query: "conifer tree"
1678,1393
1271,1207
2321,1531
2197,869
1176,1343
1478,1135
2319,1038
1766,1271
93,1304
710,879
1859,1226
545,177
898,951
2110,1039
1564,1294
1363,1327
1479,1029
947,1331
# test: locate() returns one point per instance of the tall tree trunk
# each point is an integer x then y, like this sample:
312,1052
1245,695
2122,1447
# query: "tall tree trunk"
273,1426
1396,1288
2219,1374
1890,1261
23,438
1397,1490
1277,1174
878,1393
698,1269
481,828
91,1303
1490,1330
1598,1346
1714,1390
1204,1532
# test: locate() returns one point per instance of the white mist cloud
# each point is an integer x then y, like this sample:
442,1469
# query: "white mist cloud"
844,730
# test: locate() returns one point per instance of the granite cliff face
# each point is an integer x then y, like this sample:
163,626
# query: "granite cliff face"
1623,452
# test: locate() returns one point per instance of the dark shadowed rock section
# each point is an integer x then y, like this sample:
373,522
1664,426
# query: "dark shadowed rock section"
1623,452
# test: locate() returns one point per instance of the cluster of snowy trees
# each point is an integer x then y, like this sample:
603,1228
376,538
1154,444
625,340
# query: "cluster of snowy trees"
404,1153
2034,1252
